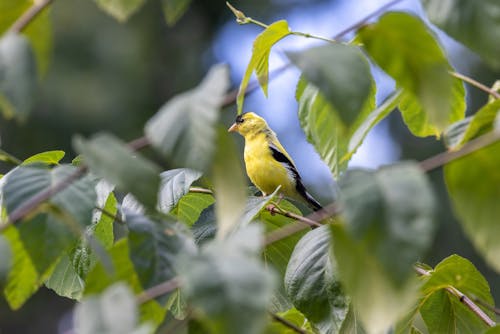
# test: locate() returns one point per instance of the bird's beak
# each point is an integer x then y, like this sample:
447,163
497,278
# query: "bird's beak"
233,128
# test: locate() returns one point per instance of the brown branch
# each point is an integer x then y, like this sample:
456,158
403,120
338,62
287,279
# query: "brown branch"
158,290
273,209
28,16
470,147
486,305
476,84
463,299
110,215
287,323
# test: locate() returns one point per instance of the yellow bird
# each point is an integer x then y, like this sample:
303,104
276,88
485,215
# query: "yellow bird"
268,164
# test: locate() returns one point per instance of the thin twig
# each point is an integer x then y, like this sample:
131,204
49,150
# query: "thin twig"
462,298
481,302
158,290
287,323
273,209
139,143
200,190
110,215
28,16
449,156
476,84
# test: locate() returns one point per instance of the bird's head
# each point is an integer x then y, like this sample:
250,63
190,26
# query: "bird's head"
249,123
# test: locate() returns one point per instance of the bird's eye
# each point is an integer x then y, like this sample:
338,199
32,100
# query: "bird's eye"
239,119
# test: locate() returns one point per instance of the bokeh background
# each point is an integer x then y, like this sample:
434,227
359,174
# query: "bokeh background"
110,76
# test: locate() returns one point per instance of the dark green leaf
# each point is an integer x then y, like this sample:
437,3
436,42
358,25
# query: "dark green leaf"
120,9
312,284
417,63
472,183
114,311
473,23
17,76
154,248
205,228
48,158
442,311
191,205
6,257
228,284
109,158
342,75
175,184
174,9
388,226
183,130
259,62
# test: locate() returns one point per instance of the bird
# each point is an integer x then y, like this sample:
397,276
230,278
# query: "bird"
268,165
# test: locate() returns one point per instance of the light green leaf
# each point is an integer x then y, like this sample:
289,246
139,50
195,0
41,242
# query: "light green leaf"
293,316
475,126
191,205
493,330
64,279
388,225
473,23
259,62
48,158
342,75
335,142
175,184
312,284
39,31
420,123
154,247
417,63
228,285
174,9
229,184
183,130
474,199
442,311
108,157
22,280
120,9
114,311
17,76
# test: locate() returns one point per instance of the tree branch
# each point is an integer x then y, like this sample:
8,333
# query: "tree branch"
28,16
468,148
287,323
463,299
476,84
158,290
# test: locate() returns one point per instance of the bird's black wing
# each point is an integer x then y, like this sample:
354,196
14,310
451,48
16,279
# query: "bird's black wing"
280,157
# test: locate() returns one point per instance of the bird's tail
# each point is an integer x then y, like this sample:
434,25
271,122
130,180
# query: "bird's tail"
314,204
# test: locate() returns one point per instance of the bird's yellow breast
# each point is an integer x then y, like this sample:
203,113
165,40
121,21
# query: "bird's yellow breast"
263,170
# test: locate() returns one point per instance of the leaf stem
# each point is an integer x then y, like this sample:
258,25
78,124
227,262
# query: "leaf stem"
476,84
159,290
287,323
10,158
462,298
468,148
29,15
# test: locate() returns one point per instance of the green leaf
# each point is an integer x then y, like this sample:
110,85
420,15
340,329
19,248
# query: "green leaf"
473,23
493,330
205,228
417,63
22,280
174,10
120,9
108,157
442,311
312,284
154,248
57,226
342,75
335,142
39,31
477,125
175,184
191,205
259,62
17,76
229,184
228,285
64,279
114,311
183,130
420,123
474,199
293,316
48,158
388,226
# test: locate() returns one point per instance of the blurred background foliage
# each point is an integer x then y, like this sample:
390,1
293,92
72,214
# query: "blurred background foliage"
99,74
